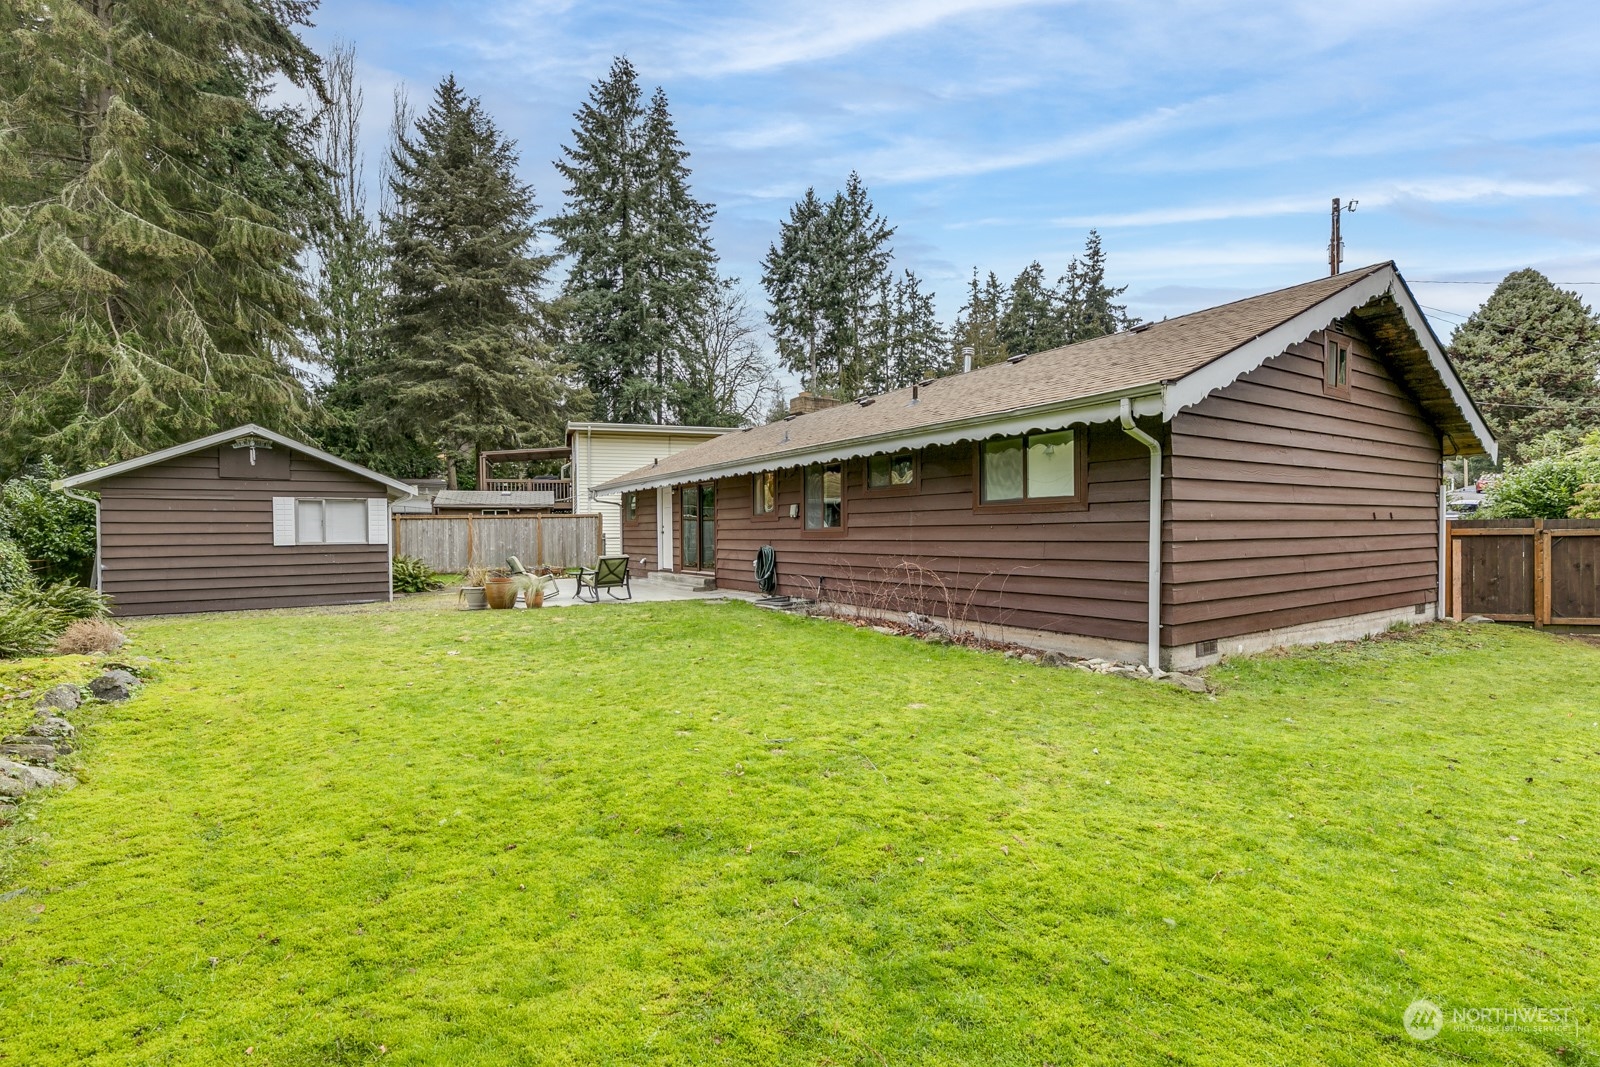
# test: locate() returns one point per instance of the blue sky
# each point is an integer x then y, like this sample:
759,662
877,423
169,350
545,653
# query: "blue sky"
1203,139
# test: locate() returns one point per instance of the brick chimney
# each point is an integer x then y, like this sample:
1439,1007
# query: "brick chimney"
807,402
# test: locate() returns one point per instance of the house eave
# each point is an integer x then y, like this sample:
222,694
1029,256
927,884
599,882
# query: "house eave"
1103,407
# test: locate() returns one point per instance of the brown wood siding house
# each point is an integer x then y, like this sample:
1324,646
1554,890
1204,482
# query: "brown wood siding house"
243,519
1296,438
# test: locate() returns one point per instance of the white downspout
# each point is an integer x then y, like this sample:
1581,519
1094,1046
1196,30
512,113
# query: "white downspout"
1153,576
96,503
1444,546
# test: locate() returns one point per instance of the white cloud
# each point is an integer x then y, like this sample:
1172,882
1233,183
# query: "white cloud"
1447,190
806,32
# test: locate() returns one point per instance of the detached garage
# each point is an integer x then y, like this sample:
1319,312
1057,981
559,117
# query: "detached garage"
242,519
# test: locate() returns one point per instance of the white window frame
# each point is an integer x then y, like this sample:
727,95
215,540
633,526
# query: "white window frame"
286,520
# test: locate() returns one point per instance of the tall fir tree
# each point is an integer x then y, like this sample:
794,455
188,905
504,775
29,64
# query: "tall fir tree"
465,364
1531,357
909,341
822,278
153,206
1091,303
978,323
1036,318
642,267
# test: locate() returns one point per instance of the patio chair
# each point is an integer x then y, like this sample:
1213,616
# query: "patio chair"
610,574
528,581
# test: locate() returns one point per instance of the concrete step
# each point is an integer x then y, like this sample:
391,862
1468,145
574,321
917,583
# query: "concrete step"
695,583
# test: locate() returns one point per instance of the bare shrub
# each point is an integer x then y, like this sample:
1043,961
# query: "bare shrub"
907,587
89,635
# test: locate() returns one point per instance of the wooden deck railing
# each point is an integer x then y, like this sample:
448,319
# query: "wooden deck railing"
561,487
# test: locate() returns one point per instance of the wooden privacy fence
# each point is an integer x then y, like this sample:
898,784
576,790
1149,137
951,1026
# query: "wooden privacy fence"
452,543
1543,571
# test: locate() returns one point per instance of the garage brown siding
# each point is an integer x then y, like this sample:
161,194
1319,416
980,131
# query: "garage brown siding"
178,537
1074,572
1290,506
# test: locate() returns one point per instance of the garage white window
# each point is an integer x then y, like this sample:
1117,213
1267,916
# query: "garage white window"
329,521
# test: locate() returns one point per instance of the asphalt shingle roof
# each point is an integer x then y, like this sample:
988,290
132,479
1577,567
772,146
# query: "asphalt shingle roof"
1145,356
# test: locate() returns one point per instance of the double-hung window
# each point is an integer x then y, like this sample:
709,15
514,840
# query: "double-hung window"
896,471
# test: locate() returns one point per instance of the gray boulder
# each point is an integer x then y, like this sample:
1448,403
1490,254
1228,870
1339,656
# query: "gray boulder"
19,778
1477,619
43,754
62,697
1056,659
113,686
1187,681
52,726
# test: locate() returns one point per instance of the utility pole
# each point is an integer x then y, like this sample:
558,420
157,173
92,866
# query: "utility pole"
1336,243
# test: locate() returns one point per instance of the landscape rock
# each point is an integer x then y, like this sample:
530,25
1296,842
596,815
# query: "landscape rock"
889,630
1056,659
1187,681
63,697
1477,618
43,754
52,726
1028,657
113,686
933,637
61,745
19,778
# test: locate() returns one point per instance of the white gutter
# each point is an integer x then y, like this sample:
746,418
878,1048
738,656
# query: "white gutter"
96,503
1153,575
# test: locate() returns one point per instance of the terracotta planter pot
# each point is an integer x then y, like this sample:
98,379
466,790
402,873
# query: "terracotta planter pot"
535,599
500,592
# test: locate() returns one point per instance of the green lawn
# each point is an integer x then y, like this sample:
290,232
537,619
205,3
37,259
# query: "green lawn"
703,833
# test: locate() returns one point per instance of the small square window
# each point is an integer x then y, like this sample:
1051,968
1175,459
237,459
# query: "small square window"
891,471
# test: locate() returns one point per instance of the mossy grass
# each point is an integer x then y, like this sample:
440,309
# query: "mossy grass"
705,833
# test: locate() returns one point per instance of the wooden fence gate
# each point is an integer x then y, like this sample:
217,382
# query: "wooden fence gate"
1543,571
452,543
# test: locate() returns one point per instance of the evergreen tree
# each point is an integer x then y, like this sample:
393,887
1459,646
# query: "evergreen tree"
1531,356
978,323
464,366
822,278
642,264
1036,318
1091,304
153,205
909,341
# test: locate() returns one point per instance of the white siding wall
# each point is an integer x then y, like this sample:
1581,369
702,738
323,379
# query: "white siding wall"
601,455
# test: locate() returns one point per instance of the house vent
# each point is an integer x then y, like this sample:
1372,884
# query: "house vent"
1206,648
1017,359
1422,609
866,401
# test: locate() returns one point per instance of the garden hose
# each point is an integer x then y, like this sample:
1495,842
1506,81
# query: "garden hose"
767,570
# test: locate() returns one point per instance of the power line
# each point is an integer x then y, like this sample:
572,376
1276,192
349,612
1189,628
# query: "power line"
1457,281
